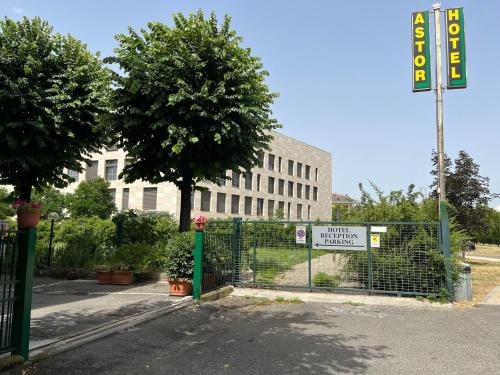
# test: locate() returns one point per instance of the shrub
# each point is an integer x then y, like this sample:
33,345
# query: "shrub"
130,257
179,261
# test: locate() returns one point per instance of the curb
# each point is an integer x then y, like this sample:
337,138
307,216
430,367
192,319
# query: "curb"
217,294
490,295
94,334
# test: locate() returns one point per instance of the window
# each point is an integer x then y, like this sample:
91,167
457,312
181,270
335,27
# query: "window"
308,172
111,170
248,205
299,170
235,204
149,198
258,182
299,211
308,212
125,198
112,192
221,203
270,208
74,175
279,165
299,190
235,179
281,187
205,201
308,192
221,180
315,193
260,156
289,211
270,162
290,188
260,206
281,207
316,174
290,167
91,172
270,185
248,181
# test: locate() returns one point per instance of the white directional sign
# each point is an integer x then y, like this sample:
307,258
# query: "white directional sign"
339,237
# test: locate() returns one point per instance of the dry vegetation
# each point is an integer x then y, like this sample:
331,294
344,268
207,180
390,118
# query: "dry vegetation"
485,276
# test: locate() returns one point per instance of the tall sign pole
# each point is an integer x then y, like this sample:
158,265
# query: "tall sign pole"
439,104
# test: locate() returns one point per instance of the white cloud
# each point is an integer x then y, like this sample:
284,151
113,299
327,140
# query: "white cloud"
497,208
17,10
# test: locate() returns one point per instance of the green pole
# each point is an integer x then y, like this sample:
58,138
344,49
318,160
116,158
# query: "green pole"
446,247
254,253
22,304
309,255
237,249
369,256
198,259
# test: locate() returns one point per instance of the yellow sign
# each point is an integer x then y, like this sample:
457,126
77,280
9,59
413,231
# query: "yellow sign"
421,51
375,240
455,38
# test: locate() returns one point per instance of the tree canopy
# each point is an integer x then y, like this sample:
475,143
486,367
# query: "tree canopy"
53,91
52,200
466,190
191,104
91,198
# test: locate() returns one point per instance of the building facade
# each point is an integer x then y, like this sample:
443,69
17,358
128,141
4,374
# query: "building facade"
293,178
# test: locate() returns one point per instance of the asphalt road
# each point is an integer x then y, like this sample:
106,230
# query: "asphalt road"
237,336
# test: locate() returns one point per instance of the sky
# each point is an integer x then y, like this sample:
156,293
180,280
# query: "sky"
343,71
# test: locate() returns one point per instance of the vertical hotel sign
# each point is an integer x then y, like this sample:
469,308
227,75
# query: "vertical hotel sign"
455,48
421,51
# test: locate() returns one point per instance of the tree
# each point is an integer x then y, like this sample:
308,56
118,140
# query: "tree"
491,233
466,190
52,200
52,93
91,198
191,104
5,208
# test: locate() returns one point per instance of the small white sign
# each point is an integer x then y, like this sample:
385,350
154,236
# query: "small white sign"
378,229
339,237
300,234
375,240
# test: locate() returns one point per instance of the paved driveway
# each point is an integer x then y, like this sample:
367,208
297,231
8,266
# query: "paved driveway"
237,336
63,308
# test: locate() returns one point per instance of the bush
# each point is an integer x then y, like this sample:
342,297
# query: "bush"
325,280
178,255
130,257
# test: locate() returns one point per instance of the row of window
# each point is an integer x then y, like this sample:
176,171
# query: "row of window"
272,206
149,198
296,169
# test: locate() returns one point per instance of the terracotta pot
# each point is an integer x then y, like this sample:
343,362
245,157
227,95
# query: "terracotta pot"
180,287
28,219
199,226
115,277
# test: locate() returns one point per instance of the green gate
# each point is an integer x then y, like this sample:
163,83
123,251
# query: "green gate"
403,258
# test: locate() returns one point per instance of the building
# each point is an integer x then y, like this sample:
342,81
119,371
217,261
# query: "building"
341,201
293,177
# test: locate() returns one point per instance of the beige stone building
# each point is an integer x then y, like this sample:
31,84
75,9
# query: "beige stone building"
293,177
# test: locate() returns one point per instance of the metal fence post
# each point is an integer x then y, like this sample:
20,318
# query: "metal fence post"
254,266
237,249
444,226
369,256
22,304
198,264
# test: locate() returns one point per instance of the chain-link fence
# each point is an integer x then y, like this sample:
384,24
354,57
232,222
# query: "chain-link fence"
398,258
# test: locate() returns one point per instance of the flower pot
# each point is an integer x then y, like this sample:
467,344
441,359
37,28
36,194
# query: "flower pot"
199,226
28,219
115,277
180,287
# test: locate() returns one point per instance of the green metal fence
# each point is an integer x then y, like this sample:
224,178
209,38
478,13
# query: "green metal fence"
8,263
407,260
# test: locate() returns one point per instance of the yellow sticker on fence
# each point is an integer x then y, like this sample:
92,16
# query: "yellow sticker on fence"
375,240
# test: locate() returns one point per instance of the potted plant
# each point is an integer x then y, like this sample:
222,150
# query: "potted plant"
179,263
28,213
121,264
199,222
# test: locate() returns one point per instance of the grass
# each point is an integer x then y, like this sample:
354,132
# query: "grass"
350,303
485,250
287,301
323,279
272,261
485,276
262,301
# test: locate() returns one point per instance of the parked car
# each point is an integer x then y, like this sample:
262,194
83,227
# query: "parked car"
469,245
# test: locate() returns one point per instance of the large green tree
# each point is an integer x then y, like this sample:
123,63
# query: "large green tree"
191,104
466,190
91,198
53,91
52,200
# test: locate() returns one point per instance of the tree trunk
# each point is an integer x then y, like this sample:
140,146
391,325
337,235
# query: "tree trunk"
185,214
25,192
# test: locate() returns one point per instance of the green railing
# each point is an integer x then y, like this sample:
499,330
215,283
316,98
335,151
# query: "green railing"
410,258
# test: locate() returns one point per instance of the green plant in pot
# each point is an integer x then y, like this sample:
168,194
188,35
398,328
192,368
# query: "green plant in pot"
179,263
121,264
